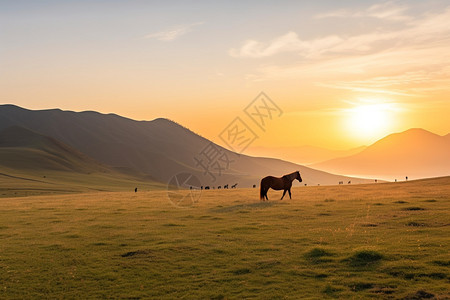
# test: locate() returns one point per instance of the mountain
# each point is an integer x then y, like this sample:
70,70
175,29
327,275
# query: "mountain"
415,153
303,154
160,148
35,164
23,149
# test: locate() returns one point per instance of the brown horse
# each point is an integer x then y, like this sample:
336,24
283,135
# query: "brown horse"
276,183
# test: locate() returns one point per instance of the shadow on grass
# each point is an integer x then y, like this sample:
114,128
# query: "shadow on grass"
414,208
364,258
318,255
238,207
331,290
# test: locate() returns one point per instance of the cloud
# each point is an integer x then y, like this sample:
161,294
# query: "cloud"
423,30
408,60
386,11
172,33
430,29
289,42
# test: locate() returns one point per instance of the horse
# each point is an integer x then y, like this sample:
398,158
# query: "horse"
276,183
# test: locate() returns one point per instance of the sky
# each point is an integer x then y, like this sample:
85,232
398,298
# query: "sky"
342,73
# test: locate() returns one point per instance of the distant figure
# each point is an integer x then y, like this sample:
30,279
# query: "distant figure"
254,185
318,184
207,187
376,181
201,187
305,184
350,182
276,183
234,186
225,186
219,187
190,187
406,178
395,180
135,190
341,182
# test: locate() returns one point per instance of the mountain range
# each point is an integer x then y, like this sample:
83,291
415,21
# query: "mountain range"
305,155
156,150
416,153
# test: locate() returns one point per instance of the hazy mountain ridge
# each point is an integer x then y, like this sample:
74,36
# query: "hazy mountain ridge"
303,154
160,148
415,153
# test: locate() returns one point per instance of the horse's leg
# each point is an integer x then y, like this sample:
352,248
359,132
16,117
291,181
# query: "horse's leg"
284,193
266,194
289,190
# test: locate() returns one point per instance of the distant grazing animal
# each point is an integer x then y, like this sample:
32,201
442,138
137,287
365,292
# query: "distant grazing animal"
406,178
276,183
135,190
376,181
234,186
306,184
207,187
225,186
201,187
219,187
254,185
349,182
341,182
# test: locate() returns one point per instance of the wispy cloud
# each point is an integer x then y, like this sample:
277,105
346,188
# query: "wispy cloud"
173,32
429,29
407,59
406,84
386,11
289,42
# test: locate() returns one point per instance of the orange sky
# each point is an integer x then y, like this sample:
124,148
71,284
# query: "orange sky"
344,74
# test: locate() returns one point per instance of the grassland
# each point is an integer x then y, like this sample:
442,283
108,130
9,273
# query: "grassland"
50,182
361,241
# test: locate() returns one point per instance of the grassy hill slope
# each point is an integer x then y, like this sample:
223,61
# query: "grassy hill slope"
31,163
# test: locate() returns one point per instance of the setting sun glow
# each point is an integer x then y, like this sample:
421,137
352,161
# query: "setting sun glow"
369,121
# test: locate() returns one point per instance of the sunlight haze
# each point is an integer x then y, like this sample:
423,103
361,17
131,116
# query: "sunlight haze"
345,74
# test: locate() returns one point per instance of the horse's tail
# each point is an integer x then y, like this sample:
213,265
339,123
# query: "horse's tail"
261,191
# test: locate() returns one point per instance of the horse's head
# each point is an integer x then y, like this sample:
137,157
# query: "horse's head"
299,178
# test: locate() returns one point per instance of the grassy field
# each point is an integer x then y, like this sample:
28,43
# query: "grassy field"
354,241
29,183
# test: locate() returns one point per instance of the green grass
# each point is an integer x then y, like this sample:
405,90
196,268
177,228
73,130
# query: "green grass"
229,245
49,182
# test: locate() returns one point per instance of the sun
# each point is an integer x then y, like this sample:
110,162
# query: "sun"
369,121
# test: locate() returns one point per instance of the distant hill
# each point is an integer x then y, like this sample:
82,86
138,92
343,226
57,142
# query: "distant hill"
160,148
35,164
305,155
415,153
23,149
